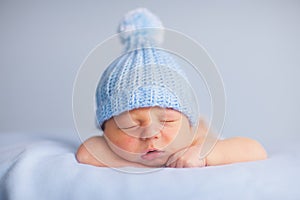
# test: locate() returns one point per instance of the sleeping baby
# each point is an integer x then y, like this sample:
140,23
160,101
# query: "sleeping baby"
148,113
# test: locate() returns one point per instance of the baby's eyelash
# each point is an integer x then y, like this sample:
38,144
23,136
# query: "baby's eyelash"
134,126
168,121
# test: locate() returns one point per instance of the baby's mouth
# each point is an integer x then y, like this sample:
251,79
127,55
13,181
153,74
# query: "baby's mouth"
152,154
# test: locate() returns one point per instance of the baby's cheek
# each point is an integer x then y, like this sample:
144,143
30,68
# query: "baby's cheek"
178,138
170,134
128,144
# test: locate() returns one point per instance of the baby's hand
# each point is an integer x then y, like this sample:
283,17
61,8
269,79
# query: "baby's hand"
188,157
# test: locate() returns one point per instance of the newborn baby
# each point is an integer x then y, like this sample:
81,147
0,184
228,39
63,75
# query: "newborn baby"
148,113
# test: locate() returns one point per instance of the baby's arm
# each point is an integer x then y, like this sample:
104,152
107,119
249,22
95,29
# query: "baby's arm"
227,151
236,149
95,151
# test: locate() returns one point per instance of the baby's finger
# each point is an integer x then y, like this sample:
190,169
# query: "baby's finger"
174,162
171,164
176,156
171,161
179,163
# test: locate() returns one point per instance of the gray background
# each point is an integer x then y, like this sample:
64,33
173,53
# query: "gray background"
255,45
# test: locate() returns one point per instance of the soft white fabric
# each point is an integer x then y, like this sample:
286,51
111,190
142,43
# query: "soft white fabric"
35,167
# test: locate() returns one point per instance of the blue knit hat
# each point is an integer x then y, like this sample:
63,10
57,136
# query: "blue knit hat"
144,76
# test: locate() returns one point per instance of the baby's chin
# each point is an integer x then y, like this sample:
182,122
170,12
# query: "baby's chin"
157,162
154,164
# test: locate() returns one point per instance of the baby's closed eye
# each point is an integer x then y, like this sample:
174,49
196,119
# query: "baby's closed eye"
130,127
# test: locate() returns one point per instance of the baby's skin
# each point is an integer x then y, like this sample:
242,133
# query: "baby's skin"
157,137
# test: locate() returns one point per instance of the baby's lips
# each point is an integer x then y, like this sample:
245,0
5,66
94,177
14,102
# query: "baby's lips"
152,149
152,154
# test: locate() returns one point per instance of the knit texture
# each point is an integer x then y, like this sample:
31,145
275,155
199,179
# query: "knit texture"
144,76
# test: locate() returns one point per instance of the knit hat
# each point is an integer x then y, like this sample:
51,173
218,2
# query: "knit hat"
144,75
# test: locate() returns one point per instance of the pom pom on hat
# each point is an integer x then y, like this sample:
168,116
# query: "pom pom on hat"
140,27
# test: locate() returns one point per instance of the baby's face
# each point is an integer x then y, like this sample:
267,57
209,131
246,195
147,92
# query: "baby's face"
148,135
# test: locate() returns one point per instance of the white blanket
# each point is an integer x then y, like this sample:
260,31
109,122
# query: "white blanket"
38,167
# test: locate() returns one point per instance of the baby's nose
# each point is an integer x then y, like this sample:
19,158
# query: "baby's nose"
151,131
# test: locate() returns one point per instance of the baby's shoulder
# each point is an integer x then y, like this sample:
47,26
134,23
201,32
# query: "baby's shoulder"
91,150
94,140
